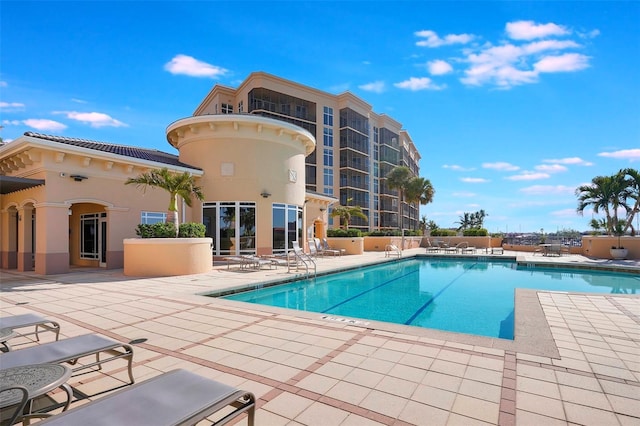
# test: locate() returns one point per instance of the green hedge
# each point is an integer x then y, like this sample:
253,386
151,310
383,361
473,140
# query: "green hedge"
168,230
443,233
475,232
344,233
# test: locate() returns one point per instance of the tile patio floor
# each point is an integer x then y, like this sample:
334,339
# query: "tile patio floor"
306,370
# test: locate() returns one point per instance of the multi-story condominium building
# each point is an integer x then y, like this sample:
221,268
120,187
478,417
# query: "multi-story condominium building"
356,147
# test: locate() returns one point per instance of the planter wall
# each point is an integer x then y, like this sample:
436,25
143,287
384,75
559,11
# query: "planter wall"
600,247
351,245
162,257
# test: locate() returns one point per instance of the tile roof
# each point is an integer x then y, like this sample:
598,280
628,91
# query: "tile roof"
126,151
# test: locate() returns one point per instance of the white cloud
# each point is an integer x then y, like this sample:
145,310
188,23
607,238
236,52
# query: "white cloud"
529,176
78,101
439,67
553,168
418,83
3,83
474,180
509,64
548,190
375,87
94,119
500,165
623,154
44,124
458,168
11,122
11,106
569,160
431,39
529,30
188,65
562,63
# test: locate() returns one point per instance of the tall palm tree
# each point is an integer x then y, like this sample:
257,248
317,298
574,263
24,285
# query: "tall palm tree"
632,177
398,178
176,184
347,212
606,193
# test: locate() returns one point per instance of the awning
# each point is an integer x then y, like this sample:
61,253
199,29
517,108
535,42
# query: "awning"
10,184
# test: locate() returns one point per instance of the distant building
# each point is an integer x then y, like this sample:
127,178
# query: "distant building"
355,150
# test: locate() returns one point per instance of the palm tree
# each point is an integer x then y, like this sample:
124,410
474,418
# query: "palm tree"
347,212
633,192
175,184
606,193
398,178
466,221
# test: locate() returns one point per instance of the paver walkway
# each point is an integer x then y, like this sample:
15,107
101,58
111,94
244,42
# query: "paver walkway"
306,370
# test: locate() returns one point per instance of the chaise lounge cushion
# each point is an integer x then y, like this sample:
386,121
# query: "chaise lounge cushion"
178,397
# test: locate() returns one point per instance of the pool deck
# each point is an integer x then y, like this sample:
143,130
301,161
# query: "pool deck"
575,359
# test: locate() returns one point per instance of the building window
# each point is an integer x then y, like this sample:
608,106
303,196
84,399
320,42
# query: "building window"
328,181
232,225
328,136
328,157
227,109
241,107
287,227
328,116
149,218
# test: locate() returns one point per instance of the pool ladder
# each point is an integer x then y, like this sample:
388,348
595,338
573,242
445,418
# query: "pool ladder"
305,259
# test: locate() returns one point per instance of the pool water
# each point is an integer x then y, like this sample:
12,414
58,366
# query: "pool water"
466,296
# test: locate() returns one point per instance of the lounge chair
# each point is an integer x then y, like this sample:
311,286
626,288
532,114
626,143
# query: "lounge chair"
178,397
313,249
17,322
497,250
391,250
466,248
70,350
327,249
432,248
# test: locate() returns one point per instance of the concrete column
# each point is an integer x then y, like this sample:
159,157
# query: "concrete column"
25,235
8,239
52,239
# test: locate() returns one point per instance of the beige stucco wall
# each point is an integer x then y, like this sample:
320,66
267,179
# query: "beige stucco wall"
158,257
57,233
244,156
599,246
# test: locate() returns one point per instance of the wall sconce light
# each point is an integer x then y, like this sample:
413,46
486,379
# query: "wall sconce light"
78,178
322,209
19,217
265,194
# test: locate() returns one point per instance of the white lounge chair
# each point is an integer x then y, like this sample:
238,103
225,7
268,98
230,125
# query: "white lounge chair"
323,247
432,248
70,350
178,397
391,250
17,322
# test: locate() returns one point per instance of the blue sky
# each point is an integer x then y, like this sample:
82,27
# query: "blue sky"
511,104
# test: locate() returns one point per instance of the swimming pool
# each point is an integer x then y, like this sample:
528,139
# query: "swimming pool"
460,295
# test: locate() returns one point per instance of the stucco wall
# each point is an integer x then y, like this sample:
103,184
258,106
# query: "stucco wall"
157,257
598,247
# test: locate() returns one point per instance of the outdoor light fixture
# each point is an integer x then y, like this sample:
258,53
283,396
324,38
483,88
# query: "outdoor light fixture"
78,178
265,194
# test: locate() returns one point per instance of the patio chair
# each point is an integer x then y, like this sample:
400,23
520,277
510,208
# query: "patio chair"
16,322
71,350
466,248
328,249
178,397
432,248
391,250
313,249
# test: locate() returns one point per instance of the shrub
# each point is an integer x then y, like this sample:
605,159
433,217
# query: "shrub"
156,230
191,230
344,233
443,233
384,233
475,232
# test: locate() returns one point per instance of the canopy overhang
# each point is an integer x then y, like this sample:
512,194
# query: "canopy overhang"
9,184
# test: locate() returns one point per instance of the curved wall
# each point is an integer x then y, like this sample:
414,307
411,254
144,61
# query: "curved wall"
244,156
